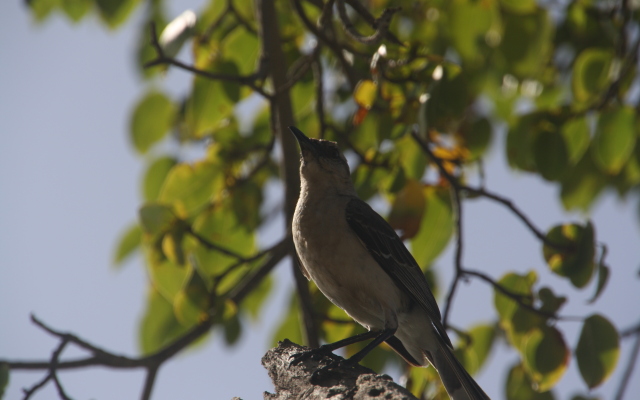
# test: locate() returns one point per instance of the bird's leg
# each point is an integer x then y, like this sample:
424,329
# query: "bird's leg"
330,347
379,337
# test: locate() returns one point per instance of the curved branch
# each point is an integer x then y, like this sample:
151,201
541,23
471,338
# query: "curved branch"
381,25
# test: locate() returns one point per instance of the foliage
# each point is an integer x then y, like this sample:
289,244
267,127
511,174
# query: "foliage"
417,107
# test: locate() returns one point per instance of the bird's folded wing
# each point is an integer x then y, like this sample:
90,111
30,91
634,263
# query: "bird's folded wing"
387,249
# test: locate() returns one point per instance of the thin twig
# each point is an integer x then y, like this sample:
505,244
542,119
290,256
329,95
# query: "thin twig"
458,256
628,371
371,20
149,382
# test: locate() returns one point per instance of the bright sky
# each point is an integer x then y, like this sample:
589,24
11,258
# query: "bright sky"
69,185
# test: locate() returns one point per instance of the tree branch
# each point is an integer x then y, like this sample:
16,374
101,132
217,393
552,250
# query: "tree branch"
381,25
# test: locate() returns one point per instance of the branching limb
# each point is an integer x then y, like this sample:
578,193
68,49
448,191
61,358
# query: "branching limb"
371,20
248,80
631,364
484,193
458,257
381,25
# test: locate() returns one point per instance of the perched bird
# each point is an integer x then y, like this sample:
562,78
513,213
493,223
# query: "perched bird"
359,263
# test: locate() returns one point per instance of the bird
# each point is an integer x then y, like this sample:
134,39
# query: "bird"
361,265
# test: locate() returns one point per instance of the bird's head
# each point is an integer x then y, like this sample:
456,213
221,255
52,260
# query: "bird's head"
322,165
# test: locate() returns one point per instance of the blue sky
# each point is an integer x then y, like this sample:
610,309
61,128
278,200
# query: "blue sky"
69,185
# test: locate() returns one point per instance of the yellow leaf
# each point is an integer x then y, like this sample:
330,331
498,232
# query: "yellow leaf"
365,93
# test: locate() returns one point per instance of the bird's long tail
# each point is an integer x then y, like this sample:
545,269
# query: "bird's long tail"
457,381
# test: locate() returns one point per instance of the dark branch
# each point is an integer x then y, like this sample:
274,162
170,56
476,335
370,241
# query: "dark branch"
458,257
381,25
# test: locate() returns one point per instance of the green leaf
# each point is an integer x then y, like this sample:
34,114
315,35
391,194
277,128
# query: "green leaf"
470,21
527,42
598,350
257,298
155,176
411,158
520,139
191,303
546,357
520,387
129,241
243,48
189,187
76,9
156,218
4,378
167,277
550,154
158,326
603,276
550,302
577,262
582,184
477,137
41,9
232,330
218,225
206,108
615,139
576,134
152,118
115,12
479,343
436,227
591,74
289,327
520,6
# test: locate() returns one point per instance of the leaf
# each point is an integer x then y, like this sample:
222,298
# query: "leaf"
158,325
232,330
546,357
152,118
218,225
598,350
206,108
576,134
550,302
477,137
519,6
167,277
115,12
257,298
129,241
519,386
156,218
289,326
365,93
550,154
614,140
41,9
407,209
436,227
4,378
603,276
520,139
577,262
243,48
189,187
591,74
76,9
480,341
191,303
470,22
155,176
582,185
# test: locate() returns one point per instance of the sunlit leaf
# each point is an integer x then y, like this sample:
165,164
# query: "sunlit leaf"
129,241
365,93
152,117
582,184
469,23
191,303
520,387
115,12
598,350
257,298
577,261
519,6
41,9
156,218
154,177
206,108
158,325
615,139
476,347
243,48
436,227
576,134
189,187
76,9
591,74
546,357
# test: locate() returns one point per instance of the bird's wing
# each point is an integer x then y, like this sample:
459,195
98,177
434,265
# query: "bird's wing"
387,249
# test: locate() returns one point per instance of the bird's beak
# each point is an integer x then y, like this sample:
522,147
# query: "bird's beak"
305,143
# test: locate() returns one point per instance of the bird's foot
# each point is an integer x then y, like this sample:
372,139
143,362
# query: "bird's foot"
320,351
